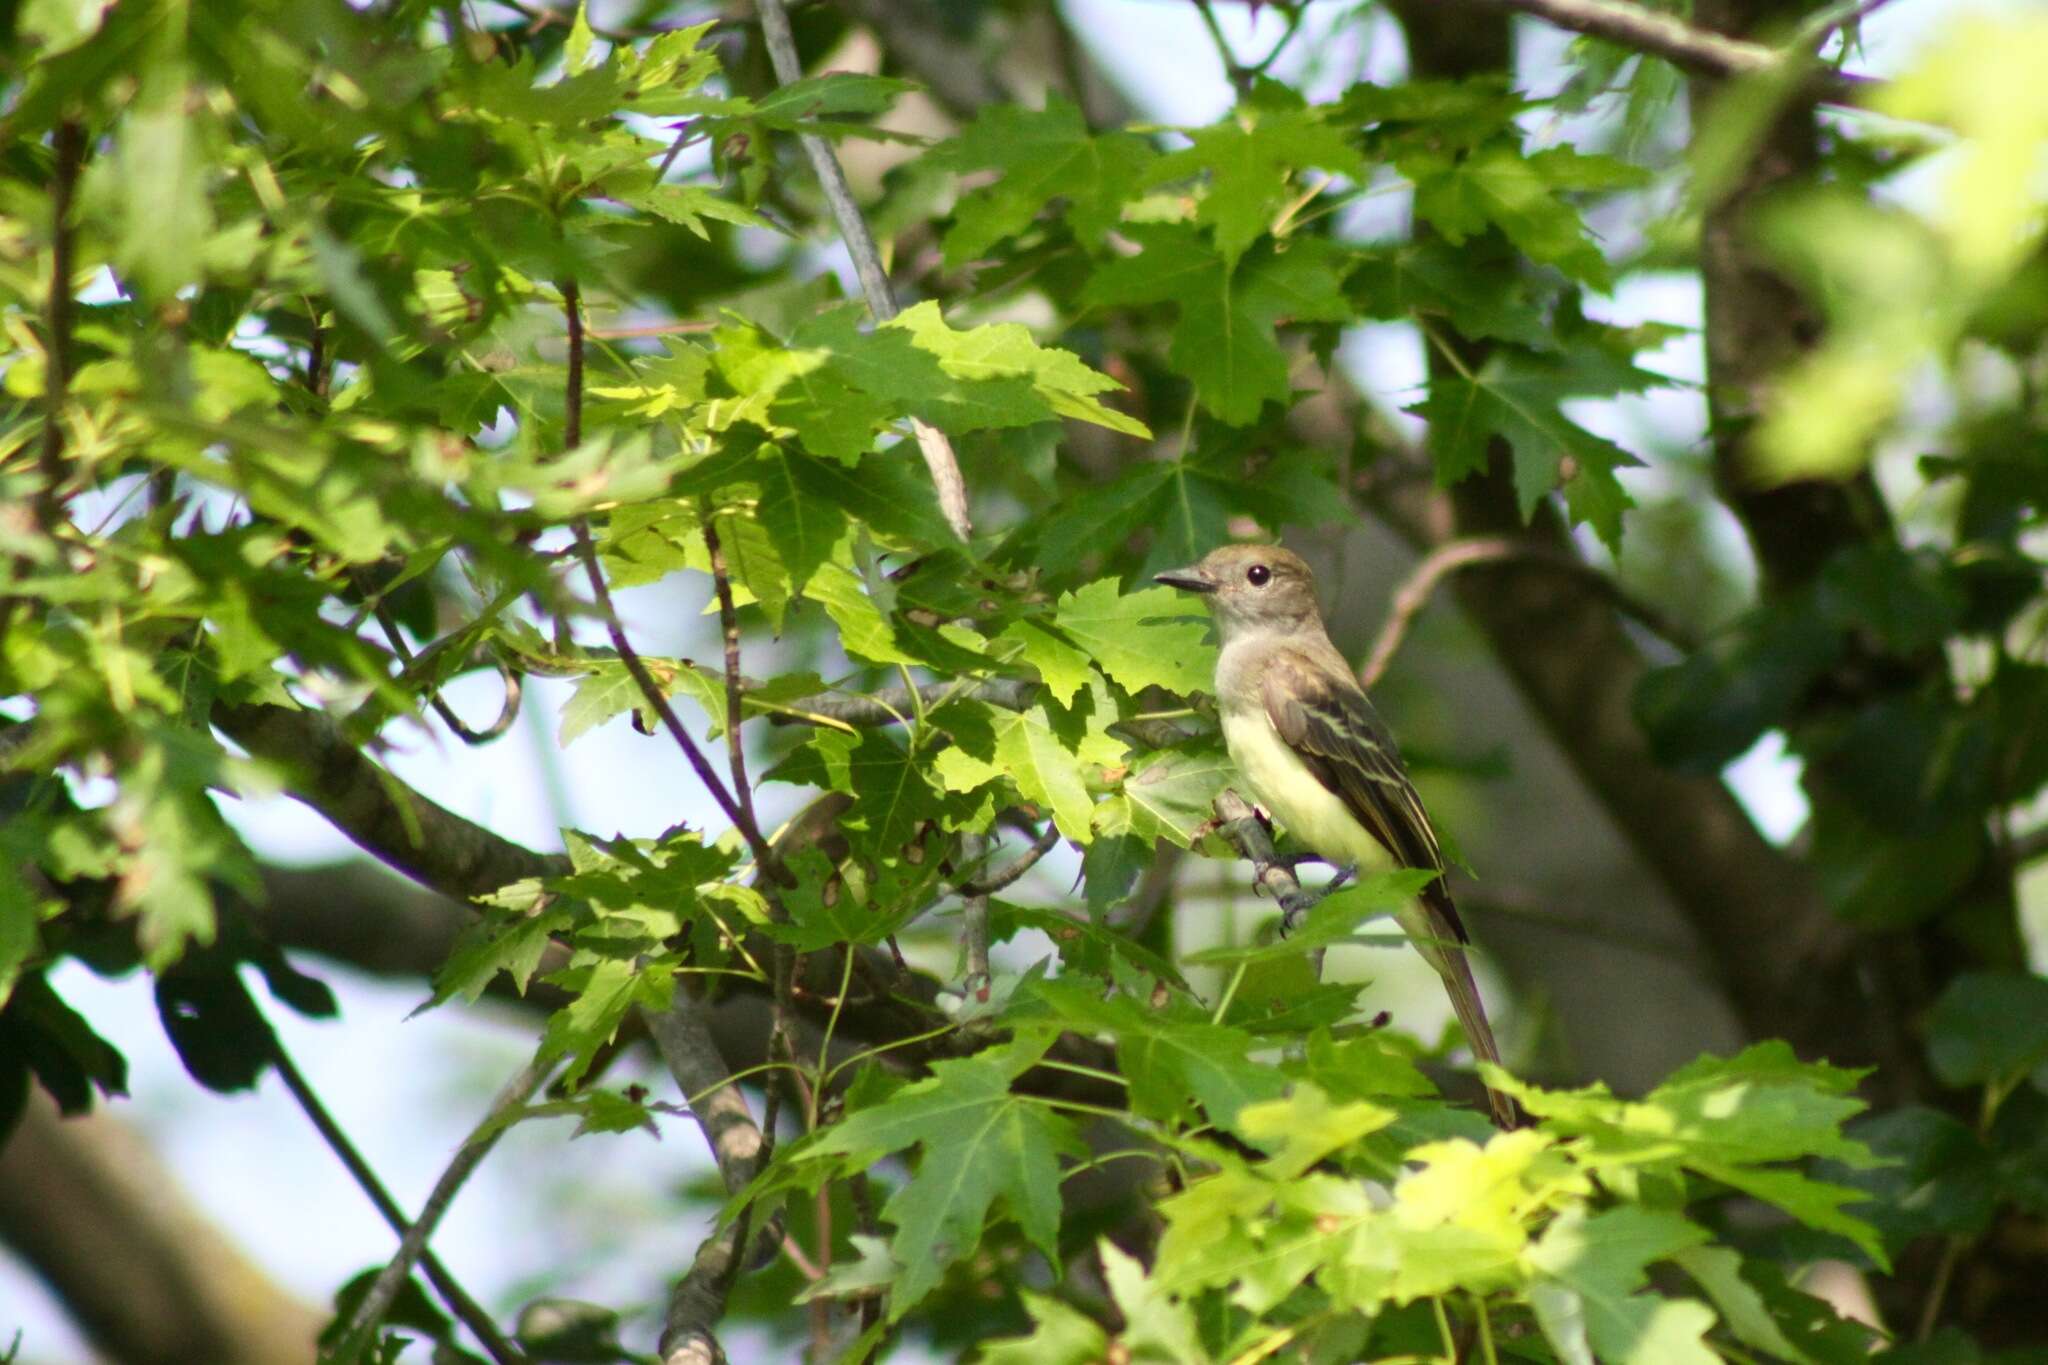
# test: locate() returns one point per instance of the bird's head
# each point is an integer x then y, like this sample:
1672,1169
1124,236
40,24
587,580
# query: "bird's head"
1251,588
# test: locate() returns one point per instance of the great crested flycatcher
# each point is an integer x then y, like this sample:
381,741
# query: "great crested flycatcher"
1300,730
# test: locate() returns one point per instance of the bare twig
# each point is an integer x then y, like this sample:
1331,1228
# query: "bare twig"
485,1136
464,1307
764,856
572,406
974,920
889,705
1240,826
682,1034
1652,31
729,621
932,443
508,710
1016,868
1454,555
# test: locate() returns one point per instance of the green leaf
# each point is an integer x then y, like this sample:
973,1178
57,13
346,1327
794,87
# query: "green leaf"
54,26
1335,919
1062,667
513,943
1225,341
1517,397
1003,354
1140,639
1429,279
1169,1055
803,527
863,631
1517,191
826,910
890,492
1060,1336
605,991
1305,1127
1052,766
978,1143
1170,793
1718,1270
1157,1326
608,690
835,93
162,176
576,48
1044,156
1592,1268
1730,1119
1988,1029
1249,159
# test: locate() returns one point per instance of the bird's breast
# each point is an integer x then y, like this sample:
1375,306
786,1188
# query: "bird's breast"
1291,792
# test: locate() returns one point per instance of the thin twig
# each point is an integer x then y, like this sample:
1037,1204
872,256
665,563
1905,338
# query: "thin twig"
729,622
1455,555
783,963
466,1309
1240,826
508,710
1016,868
974,920
586,551
932,443
482,1138
889,705
1684,45
572,406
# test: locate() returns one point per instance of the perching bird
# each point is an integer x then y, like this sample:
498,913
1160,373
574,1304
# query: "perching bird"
1300,730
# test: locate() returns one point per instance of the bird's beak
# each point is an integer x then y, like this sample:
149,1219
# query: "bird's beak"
1190,579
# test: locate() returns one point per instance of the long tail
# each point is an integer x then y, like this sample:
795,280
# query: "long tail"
1438,938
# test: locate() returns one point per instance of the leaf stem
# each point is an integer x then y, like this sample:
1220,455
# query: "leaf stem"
1486,1347
1443,1327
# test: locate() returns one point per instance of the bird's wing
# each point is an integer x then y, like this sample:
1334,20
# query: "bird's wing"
1332,727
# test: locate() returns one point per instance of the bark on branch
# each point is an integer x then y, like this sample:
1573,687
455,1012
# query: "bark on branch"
145,1275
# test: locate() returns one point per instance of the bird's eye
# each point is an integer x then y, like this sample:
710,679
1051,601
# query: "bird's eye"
1258,575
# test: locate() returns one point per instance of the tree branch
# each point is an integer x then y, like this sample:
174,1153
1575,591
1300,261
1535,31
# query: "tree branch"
147,1277
424,840
1686,46
1757,910
683,1037
69,144
460,1303
413,1244
1013,870
1453,555
932,443
1240,826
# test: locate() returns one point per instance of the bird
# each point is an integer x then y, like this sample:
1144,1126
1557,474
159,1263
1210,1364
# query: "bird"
1317,757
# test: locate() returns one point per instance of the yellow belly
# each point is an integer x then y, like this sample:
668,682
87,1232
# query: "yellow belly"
1295,796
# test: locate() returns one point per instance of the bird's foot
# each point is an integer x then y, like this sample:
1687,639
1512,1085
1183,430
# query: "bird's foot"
1295,907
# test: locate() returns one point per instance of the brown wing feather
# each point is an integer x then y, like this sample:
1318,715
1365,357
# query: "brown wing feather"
1333,728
